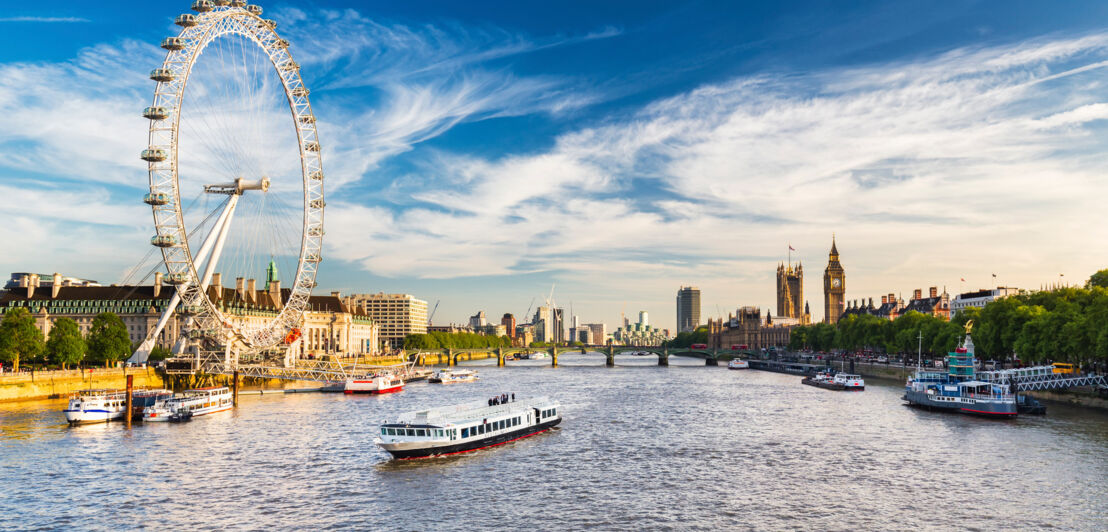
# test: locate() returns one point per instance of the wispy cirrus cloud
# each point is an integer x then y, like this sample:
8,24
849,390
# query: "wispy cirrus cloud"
44,19
989,152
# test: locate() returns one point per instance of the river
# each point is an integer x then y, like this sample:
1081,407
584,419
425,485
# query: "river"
686,447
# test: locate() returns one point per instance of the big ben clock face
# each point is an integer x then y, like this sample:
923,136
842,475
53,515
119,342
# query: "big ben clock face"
836,282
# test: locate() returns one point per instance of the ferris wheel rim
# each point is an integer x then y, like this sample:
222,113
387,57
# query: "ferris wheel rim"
199,31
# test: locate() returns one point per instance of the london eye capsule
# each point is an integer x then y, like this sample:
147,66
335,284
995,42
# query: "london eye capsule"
316,176
300,92
202,6
311,146
162,74
281,43
255,10
315,230
190,310
154,155
222,3
290,65
164,241
156,198
307,120
238,3
271,23
155,113
186,20
313,257
177,279
173,43
317,203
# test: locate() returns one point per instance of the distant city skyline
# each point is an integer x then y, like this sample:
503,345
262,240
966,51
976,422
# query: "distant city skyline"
478,153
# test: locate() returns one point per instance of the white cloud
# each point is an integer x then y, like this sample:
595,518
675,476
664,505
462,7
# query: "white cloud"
977,159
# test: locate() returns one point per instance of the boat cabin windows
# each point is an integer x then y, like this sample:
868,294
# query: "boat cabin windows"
465,433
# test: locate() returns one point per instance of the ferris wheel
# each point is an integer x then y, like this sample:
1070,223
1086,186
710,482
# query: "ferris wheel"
218,129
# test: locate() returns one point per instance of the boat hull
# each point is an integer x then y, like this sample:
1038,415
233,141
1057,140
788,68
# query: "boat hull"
492,441
826,385
192,413
95,415
960,405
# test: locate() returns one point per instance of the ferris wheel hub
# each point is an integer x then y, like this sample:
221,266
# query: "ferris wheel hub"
238,186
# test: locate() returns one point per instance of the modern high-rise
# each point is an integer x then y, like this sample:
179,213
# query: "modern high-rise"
688,309
834,287
397,315
644,318
509,323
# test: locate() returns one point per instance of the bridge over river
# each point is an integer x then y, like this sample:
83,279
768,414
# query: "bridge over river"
451,357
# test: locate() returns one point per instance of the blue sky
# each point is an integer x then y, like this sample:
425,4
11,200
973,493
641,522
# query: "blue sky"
478,152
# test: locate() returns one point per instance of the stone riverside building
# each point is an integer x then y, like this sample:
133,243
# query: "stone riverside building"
397,315
330,326
746,327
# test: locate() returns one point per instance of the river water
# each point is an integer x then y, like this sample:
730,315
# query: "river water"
686,447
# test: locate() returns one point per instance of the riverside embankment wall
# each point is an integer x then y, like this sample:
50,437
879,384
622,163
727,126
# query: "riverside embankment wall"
48,384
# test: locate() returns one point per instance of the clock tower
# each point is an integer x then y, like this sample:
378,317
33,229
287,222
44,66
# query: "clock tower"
834,287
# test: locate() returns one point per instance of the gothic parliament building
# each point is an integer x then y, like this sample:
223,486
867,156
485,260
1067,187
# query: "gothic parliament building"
790,291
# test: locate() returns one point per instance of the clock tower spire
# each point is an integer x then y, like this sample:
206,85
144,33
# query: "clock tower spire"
834,286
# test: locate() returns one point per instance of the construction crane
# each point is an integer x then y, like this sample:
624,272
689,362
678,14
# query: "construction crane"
550,298
528,313
432,314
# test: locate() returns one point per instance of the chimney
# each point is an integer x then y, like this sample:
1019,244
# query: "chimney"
884,299
892,298
917,294
934,291
275,293
157,284
215,289
56,286
335,294
240,288
252,291
32,282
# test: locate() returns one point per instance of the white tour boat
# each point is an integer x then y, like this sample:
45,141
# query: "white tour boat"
385,383
466,427
98,406
447,376
190,403
850,382
738,363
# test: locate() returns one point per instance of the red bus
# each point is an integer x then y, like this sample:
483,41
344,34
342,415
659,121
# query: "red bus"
739,347
699,346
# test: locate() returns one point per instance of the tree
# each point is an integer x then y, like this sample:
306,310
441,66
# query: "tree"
159,353
19,337
1098,279
66,345
108,341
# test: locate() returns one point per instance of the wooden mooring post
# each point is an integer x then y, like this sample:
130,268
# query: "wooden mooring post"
235,389
129,413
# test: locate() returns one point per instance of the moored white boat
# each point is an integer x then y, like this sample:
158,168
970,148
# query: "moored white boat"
466,427
850,382
98,406
95,406
448,376
377,384
738,363
190,403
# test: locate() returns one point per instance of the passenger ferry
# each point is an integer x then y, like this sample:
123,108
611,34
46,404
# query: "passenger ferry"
448,376
958,390
190,403
466,427
737,363
378,384
99,406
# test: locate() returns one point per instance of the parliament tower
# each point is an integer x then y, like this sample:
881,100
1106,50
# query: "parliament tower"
790,291
834,287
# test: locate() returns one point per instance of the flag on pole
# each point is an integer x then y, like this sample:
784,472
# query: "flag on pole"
963,279
791,248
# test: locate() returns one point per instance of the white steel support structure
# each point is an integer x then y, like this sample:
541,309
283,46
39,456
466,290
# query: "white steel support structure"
209,328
